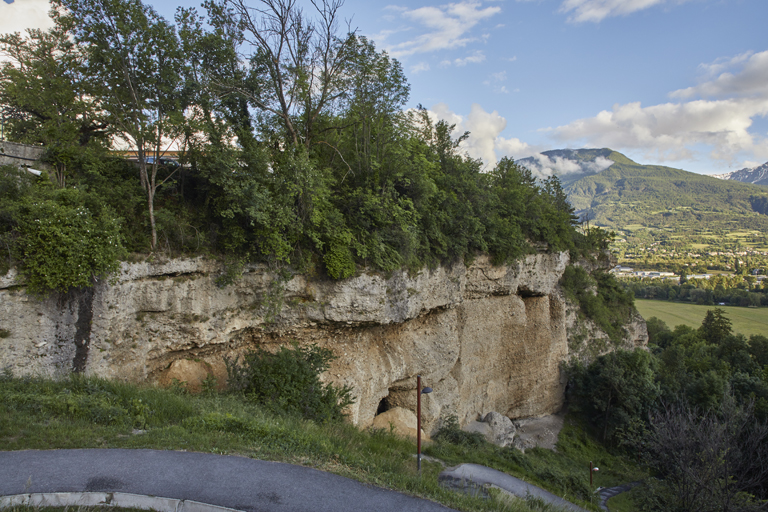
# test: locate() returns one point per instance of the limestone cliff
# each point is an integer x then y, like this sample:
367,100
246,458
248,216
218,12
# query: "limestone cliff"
484,338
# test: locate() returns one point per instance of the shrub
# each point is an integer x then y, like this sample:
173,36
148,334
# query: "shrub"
450,432
64,243
288,381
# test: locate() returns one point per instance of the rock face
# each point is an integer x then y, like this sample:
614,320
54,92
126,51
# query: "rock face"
402,421
484,338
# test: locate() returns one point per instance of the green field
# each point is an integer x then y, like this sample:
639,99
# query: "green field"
746,321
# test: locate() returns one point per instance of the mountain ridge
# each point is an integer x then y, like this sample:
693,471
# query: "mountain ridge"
627,194
754,175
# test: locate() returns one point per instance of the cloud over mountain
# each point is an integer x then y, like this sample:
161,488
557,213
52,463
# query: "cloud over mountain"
543,165
720,118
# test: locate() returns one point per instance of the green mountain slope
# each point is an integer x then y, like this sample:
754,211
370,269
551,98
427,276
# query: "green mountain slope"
628,195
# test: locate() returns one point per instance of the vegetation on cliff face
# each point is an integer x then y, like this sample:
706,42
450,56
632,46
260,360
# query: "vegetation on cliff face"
601,299
300,154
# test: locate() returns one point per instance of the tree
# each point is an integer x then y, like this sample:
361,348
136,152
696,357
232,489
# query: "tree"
711,461
133,53
616,391
715,326
45,83
297,66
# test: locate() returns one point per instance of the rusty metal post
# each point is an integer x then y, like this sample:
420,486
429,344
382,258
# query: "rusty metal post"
418,423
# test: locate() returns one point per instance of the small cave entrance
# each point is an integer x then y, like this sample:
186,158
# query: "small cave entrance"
384,405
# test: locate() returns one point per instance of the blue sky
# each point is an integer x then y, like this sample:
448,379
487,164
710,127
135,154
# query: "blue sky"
682,83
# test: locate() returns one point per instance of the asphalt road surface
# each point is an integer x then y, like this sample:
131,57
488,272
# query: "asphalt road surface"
226,481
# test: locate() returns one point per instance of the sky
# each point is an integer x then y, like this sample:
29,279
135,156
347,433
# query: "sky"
681,83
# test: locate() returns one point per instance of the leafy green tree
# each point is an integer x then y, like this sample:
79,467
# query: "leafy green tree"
134,54
715,326
616,391
656,328
758,349
45,81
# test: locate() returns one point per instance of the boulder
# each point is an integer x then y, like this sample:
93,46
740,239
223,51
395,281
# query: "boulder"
402,421
502,430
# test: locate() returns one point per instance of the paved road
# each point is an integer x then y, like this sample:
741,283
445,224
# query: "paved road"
481,475
609,492
227,481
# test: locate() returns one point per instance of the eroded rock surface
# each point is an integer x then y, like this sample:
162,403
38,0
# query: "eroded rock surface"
484,338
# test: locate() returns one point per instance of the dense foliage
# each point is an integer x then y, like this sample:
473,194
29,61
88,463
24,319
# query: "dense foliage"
65,237
691,408
297,153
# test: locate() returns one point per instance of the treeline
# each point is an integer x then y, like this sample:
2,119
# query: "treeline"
294,144
721,289
693,408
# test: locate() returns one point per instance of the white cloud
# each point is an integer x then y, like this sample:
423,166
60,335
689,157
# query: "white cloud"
545,166
670,131
475,58
719,121
485,141
597,10
723,63
501,76
447,27
496,80
751,79
418,68
24,14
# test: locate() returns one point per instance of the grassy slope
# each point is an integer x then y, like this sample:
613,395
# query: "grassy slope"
746,321
92,413
628,193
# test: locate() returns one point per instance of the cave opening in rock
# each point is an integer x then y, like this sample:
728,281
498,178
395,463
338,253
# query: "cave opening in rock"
384,405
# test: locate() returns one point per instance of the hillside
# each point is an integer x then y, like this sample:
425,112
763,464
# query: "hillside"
628,195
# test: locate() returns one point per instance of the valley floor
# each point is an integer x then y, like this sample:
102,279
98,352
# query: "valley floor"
746,321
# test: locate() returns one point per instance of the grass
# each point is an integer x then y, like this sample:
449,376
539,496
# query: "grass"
623,502
80,412
564,472
746,321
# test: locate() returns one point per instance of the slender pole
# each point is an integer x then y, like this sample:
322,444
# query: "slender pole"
418,423
590,475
